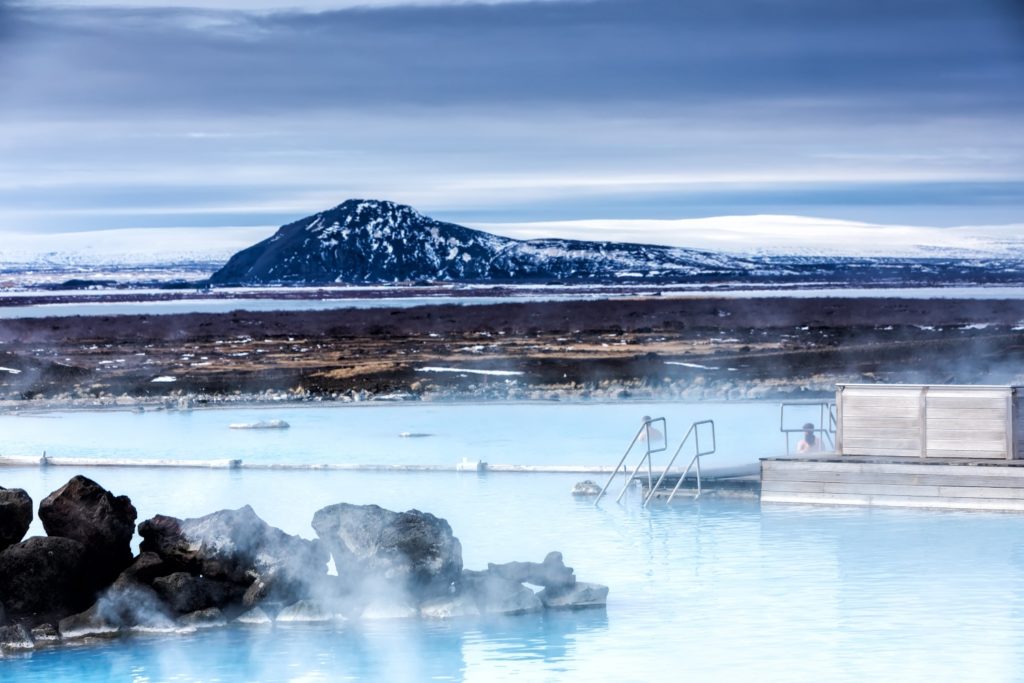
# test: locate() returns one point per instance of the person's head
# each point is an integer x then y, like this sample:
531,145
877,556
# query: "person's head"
809,432
646,419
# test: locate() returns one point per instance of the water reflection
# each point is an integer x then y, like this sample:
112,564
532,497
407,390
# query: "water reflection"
386,651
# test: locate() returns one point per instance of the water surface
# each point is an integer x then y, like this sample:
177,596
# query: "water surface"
499,433
713,590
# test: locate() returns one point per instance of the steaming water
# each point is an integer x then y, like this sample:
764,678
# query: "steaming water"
523,433
716,590
576,294
710,590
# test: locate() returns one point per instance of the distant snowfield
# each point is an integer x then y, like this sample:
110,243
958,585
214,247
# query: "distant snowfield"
762,234
783,235
129,247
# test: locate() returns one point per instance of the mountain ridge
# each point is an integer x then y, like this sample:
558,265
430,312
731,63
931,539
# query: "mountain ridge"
373,241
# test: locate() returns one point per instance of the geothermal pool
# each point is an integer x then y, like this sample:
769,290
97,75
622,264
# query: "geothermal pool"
510,433
709,590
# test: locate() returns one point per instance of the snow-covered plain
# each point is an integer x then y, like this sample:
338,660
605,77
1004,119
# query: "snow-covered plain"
759,234
143,255
784,235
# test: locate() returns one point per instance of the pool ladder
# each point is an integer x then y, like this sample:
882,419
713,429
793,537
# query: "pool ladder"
649,436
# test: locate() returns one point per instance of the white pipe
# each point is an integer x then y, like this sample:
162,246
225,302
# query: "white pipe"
51,461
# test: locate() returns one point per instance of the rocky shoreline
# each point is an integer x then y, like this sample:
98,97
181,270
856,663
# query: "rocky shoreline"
606,392
81,580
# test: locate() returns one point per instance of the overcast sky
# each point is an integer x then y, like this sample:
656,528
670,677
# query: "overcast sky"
137,114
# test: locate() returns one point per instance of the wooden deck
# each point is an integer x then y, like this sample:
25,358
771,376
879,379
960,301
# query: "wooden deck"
963,484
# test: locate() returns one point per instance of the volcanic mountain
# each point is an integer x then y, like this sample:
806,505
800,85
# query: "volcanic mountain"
369,241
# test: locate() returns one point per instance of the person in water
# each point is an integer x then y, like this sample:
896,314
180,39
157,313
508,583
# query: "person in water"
656,437
809,444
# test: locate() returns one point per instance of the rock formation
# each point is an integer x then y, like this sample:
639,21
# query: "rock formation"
237,547
104,524
414,551
44,577
551,573
15,516
231,565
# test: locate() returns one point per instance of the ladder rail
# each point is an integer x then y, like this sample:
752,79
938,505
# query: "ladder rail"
698,453
645,431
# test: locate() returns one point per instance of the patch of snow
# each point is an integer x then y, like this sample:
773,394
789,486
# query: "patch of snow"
10,370
691,365
468,371
164,379
976,326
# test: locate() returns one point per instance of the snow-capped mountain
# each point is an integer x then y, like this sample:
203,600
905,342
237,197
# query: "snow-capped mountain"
361,241
367,241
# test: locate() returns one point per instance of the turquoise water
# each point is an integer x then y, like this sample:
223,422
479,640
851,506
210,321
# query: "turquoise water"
710,590
522,433
714,590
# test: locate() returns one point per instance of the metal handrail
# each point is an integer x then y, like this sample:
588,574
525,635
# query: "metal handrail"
695,431
826,416
645,431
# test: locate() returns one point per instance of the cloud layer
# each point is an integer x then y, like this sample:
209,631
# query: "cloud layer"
124,115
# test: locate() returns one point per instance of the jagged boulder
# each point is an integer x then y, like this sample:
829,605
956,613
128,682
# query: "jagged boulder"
185,593
495,594
578,596
15,637
257,616
551,573
104,524
146,568
15,516
44,577
45,633
125,605
204,618
412,550
90,623
586,488
236,546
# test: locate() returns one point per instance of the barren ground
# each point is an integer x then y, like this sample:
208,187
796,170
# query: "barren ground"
617,348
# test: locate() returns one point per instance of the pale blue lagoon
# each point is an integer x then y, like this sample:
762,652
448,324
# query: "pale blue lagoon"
514,433
719,589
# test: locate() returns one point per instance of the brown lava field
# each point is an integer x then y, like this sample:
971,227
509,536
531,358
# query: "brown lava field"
615,348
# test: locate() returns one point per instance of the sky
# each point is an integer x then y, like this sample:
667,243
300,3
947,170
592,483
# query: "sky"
136,114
